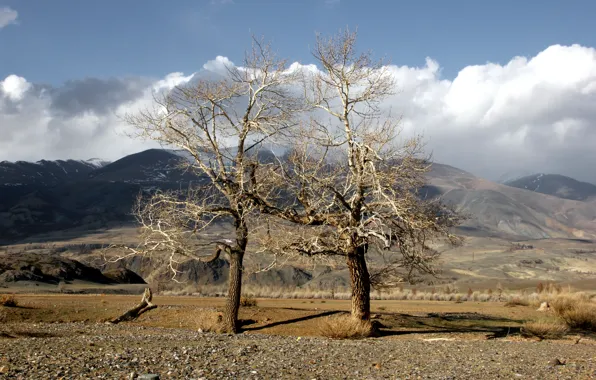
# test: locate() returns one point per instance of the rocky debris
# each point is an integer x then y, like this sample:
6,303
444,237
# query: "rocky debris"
148,376
100,351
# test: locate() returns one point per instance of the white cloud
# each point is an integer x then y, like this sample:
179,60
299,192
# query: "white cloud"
14,87
7,16
219,65
535,113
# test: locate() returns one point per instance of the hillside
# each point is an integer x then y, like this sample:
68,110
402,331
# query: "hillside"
83,195
556,185
505,211
80,195
46,173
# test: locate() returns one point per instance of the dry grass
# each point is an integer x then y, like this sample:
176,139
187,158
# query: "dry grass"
544,329
209,321
448,293
517,301
344,327
248,301
8,300
576,312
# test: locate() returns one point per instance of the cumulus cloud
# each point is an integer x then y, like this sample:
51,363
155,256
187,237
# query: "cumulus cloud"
220,65
14,87
535,114
7,16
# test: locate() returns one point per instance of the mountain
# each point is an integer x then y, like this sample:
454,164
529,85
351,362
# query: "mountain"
513,175
556,185
81,195
505,211
149,166
46,173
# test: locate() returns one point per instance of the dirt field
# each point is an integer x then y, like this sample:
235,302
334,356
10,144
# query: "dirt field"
62,336
278,316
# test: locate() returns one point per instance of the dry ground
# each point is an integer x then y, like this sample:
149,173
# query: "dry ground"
278,316
61,336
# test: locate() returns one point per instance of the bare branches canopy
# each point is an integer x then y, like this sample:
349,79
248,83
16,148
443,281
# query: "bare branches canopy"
346,184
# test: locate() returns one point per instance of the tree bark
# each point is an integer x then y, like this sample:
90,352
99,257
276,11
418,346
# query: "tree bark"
235,281
360,281
234,292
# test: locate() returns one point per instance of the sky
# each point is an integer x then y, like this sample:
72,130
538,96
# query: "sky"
494,87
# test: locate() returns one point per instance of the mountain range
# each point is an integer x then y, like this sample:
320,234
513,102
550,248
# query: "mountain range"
557,185
60,195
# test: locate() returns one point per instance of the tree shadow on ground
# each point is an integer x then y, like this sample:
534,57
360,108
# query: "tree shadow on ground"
446,323
293,320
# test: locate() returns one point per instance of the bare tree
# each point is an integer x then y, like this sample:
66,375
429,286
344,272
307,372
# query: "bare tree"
353,186
218,124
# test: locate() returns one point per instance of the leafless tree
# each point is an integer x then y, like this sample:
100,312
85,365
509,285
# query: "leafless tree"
218,124
349,185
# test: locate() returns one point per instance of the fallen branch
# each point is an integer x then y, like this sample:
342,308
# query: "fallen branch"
136,311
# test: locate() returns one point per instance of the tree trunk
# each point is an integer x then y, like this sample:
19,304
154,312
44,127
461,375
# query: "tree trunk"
360,281
234,292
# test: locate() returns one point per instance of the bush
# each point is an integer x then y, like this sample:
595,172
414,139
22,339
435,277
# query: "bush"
544,330
209,321
345,327
248,301
8,300
577,312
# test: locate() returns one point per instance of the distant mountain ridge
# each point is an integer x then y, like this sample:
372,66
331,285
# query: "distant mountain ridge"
57,195
86,195
556,185
47,173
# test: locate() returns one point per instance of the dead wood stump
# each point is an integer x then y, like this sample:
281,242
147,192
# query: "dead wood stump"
136,311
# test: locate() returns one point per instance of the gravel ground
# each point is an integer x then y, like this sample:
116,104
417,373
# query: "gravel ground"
77,350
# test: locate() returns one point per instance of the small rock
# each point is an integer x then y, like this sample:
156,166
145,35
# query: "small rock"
544,307
148,376
555,362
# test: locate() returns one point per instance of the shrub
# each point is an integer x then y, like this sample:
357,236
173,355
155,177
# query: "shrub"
544,330
8,300
209,321
248,301
576,313
516,301
345,327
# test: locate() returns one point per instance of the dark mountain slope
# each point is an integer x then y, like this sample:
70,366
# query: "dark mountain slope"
45,173
556,185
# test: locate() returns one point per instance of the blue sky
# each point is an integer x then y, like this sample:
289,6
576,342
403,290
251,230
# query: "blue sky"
510,85
60,40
